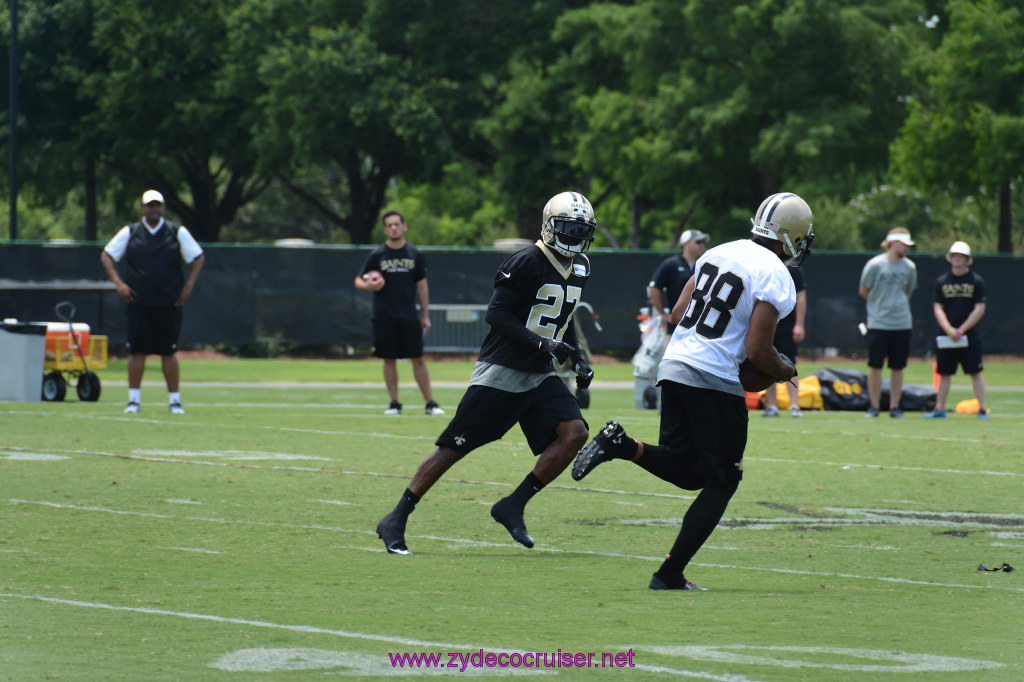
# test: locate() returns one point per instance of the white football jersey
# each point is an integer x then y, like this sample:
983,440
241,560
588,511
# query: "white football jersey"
730,278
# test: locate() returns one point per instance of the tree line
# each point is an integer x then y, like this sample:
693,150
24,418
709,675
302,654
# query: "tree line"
260,119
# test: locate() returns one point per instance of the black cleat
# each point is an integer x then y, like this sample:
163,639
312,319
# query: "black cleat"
674,583
391,530
510,515
610,443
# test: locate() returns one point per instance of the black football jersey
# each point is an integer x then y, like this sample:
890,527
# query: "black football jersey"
545,293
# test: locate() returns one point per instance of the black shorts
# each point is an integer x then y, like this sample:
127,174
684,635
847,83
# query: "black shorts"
947,359
888,343
153,330
486,414
397,339
706,429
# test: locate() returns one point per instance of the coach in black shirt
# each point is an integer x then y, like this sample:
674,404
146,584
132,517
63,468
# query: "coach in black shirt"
155,288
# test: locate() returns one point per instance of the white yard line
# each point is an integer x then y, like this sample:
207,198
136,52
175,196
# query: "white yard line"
783,460
479,543
868,660
350,634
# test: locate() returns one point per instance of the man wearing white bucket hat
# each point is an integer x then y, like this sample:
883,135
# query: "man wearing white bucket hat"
959,306
886,283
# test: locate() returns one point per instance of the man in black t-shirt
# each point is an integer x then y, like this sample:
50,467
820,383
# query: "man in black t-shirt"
396,273
530,313
959,306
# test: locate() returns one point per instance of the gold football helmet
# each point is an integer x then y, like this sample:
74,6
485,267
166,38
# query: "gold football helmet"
569,224
786,218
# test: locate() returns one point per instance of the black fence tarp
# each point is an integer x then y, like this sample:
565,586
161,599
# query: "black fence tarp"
248,294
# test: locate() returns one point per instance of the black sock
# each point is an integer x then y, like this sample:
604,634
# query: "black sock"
407,503
700,520
530,486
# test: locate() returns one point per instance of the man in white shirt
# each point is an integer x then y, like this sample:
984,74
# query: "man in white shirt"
726,313
154,289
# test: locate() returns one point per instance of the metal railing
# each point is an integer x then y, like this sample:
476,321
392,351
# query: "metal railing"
456,328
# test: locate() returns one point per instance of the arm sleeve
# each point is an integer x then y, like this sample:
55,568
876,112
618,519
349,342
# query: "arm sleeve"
979,289
570,333
371,263
187,244
420,270
500,317
659,280
777,288
867,276
116,247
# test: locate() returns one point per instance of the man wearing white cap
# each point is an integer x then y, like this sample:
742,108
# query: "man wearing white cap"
959,306
665,287
154,288
886,283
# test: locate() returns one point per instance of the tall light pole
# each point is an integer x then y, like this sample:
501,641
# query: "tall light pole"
14,121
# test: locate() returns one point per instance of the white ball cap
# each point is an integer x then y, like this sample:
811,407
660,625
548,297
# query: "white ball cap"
692,236
962,248
151,195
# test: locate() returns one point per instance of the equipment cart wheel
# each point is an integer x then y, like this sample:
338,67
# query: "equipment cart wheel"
88,387
54,387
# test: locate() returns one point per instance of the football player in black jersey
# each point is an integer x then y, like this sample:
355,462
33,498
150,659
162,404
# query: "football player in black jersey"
514,381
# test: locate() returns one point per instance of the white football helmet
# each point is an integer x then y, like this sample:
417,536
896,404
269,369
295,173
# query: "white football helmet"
785,217
568,225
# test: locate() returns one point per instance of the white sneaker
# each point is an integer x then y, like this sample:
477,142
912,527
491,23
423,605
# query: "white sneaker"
394,408
176,408
795,411
433,408
132,408
770,411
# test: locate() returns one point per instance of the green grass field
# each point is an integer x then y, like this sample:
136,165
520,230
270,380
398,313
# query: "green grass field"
237,542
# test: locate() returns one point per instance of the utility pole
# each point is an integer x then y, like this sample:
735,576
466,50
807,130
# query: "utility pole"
14,121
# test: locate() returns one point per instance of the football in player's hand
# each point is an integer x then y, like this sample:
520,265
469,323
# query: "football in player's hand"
374,279
753,379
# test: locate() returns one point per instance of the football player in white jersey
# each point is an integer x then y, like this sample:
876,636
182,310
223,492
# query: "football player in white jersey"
727,312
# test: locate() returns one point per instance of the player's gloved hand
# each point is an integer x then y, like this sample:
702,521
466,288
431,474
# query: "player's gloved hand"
584,375
789,362
559,350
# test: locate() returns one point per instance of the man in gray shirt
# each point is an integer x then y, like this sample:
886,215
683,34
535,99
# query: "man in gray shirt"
886,283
